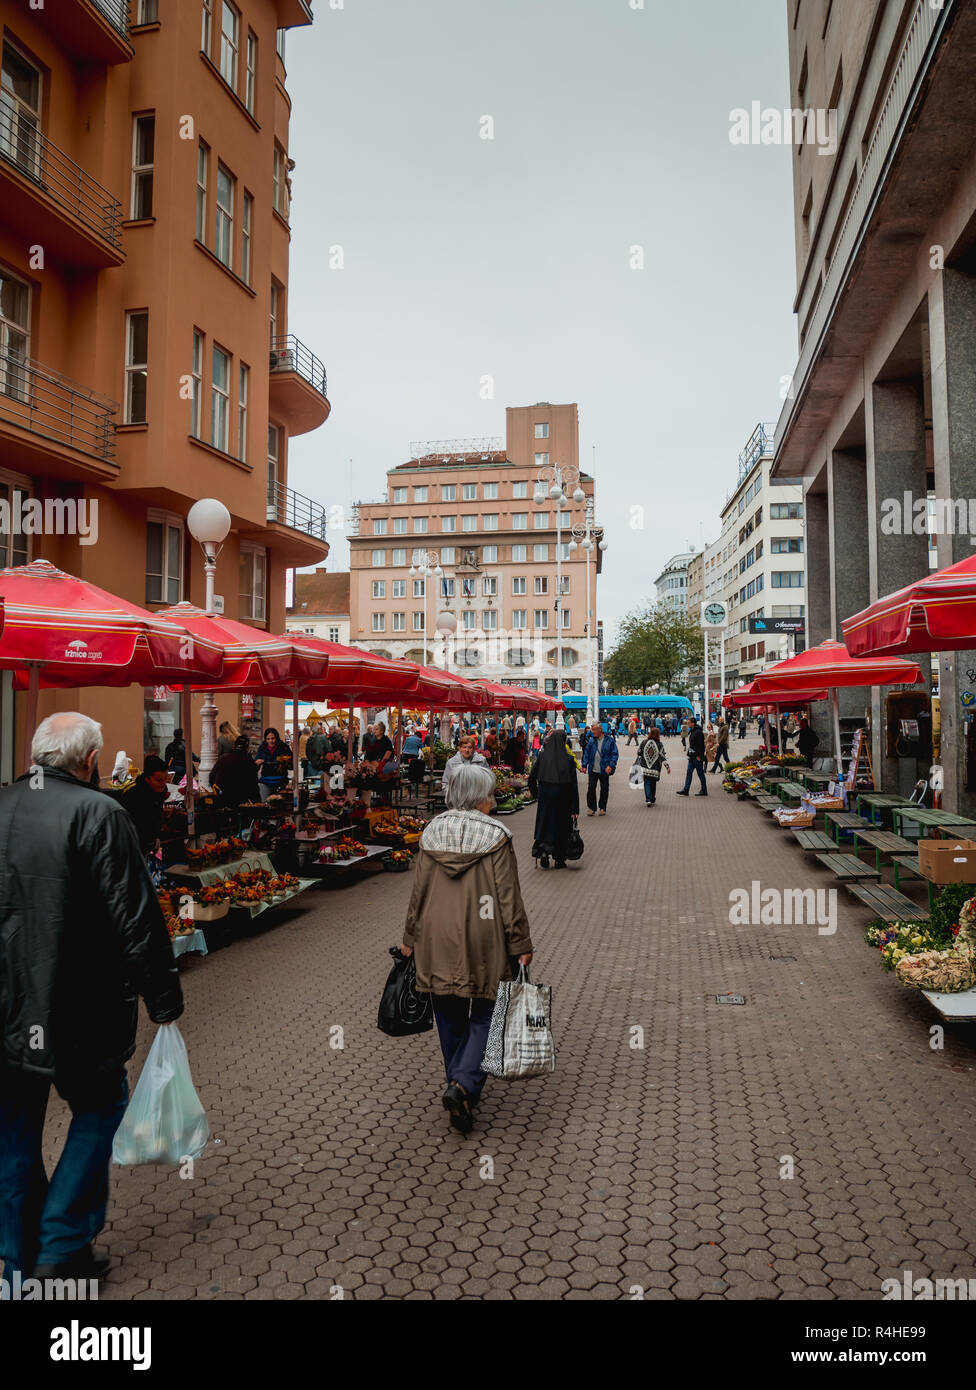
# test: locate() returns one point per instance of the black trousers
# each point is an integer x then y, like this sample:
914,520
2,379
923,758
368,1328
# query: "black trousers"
601,779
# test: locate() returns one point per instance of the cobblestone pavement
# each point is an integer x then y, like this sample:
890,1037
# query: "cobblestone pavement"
656,1166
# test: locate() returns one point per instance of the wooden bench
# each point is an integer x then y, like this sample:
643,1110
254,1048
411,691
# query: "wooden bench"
847,867
883,842
814,841
768,803
844,821
887,903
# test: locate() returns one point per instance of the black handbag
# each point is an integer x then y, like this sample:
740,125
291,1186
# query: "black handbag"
402,1010
574,844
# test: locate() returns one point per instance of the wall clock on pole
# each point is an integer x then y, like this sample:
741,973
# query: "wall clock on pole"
714,616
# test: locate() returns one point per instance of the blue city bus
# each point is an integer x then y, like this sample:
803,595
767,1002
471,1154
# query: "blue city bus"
619,704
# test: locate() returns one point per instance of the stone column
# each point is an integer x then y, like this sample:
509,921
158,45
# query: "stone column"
820,618
894,426
849,571
952,343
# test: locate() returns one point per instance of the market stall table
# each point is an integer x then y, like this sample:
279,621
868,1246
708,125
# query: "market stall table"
372,852
190,941
257,860
880,802
882,842
813,780
954,1008
844,821
925,818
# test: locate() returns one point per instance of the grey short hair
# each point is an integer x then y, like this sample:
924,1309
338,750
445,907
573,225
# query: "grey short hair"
470,785
66,741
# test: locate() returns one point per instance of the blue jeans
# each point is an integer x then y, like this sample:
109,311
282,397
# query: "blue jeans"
695,765
44,1221
650,789
462,1026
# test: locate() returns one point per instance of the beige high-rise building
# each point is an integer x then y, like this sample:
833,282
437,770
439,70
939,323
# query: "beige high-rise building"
473,510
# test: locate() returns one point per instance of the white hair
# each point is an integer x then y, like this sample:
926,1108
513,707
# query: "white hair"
470,786
66,741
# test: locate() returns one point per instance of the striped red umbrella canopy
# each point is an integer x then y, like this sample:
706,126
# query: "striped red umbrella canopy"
830,666
253,659
748,697
353,671
935,614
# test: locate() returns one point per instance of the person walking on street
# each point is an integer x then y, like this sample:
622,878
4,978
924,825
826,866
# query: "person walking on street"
553,781
467,753
722,745
599,761
651,760
711,744
742,727
696,758
464,860
82,935
632,730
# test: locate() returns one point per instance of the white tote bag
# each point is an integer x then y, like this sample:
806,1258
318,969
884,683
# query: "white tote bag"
520,1035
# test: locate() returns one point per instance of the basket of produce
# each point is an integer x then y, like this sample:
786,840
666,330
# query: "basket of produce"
508,805
398,862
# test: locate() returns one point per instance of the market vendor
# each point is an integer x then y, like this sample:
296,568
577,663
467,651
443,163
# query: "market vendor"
382,746
144,801
273,759
235,775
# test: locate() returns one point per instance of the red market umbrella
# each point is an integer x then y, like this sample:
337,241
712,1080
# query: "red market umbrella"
832,666
749,698
935,614
253,659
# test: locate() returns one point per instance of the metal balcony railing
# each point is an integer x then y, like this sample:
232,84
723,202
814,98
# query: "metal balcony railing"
23,145
289,354
116,12
48,404
290,508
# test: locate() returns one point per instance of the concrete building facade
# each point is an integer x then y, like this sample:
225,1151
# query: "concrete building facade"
145,358
672,583
320,606
475,514
881,404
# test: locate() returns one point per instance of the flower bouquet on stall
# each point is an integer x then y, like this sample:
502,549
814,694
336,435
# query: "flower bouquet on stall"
398,862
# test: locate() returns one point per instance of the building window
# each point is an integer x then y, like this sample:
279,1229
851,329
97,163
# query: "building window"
563,587
489,522
542,460
164,559
489,586
489,554
224,242
379,622
419,525
399,589
379,525
246,218
489,620
787,579
540,618
14,337
251,80
520,620
147,12
143,140
489,492
785,511
399,556
469,492
541,584
564,519
469,523
21,112
399,494
520,553
448,492
419,588
379,588
196,374
447,588
220,400
136,366
520,521
242,382
279,181
786,545
229,29
333,634
564,553
518,584
379,559
203,158
14,543
565,616
420,494
520,489
399,622
418,620
273,456
468,619
542,430
541,521
206,28
540,552
447,554
448,523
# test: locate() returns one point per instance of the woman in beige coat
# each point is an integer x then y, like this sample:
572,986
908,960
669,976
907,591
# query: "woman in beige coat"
467,929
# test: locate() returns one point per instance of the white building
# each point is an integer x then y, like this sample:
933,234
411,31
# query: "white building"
672,583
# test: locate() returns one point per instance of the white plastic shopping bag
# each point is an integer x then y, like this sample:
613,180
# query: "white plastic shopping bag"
636,778
164,1121
520,1036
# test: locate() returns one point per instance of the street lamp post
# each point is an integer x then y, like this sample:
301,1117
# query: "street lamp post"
446,628
429,565
560,480
590,537
208,522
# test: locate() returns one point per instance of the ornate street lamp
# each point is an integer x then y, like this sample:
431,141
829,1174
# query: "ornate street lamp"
427,563
208,522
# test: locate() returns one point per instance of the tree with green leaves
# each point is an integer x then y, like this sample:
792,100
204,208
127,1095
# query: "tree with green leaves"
655,646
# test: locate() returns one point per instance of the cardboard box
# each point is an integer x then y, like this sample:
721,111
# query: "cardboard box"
947,861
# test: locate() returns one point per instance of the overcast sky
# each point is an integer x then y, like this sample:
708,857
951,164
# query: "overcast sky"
510,257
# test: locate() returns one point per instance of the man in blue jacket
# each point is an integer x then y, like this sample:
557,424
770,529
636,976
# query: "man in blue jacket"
599,760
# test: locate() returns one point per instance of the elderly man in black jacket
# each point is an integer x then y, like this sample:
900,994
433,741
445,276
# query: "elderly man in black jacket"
81,938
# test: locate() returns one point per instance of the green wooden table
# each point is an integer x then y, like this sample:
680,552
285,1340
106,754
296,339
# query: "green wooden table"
879,802
813,780
844,821
887,903
908,864
847,867
925,818
882,842
815,841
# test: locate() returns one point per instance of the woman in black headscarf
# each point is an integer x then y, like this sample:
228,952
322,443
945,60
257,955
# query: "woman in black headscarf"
553,781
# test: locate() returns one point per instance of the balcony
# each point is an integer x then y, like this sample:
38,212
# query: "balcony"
296,528
95,30
50,424
298,389
51,200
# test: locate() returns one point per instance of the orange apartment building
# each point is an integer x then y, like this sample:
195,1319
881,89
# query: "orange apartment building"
474,511
144,241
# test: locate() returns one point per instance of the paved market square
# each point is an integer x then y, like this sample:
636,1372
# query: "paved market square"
649,1165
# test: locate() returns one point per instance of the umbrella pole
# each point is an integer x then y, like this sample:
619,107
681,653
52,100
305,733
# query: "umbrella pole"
295,761
30,725
186,705
835,711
